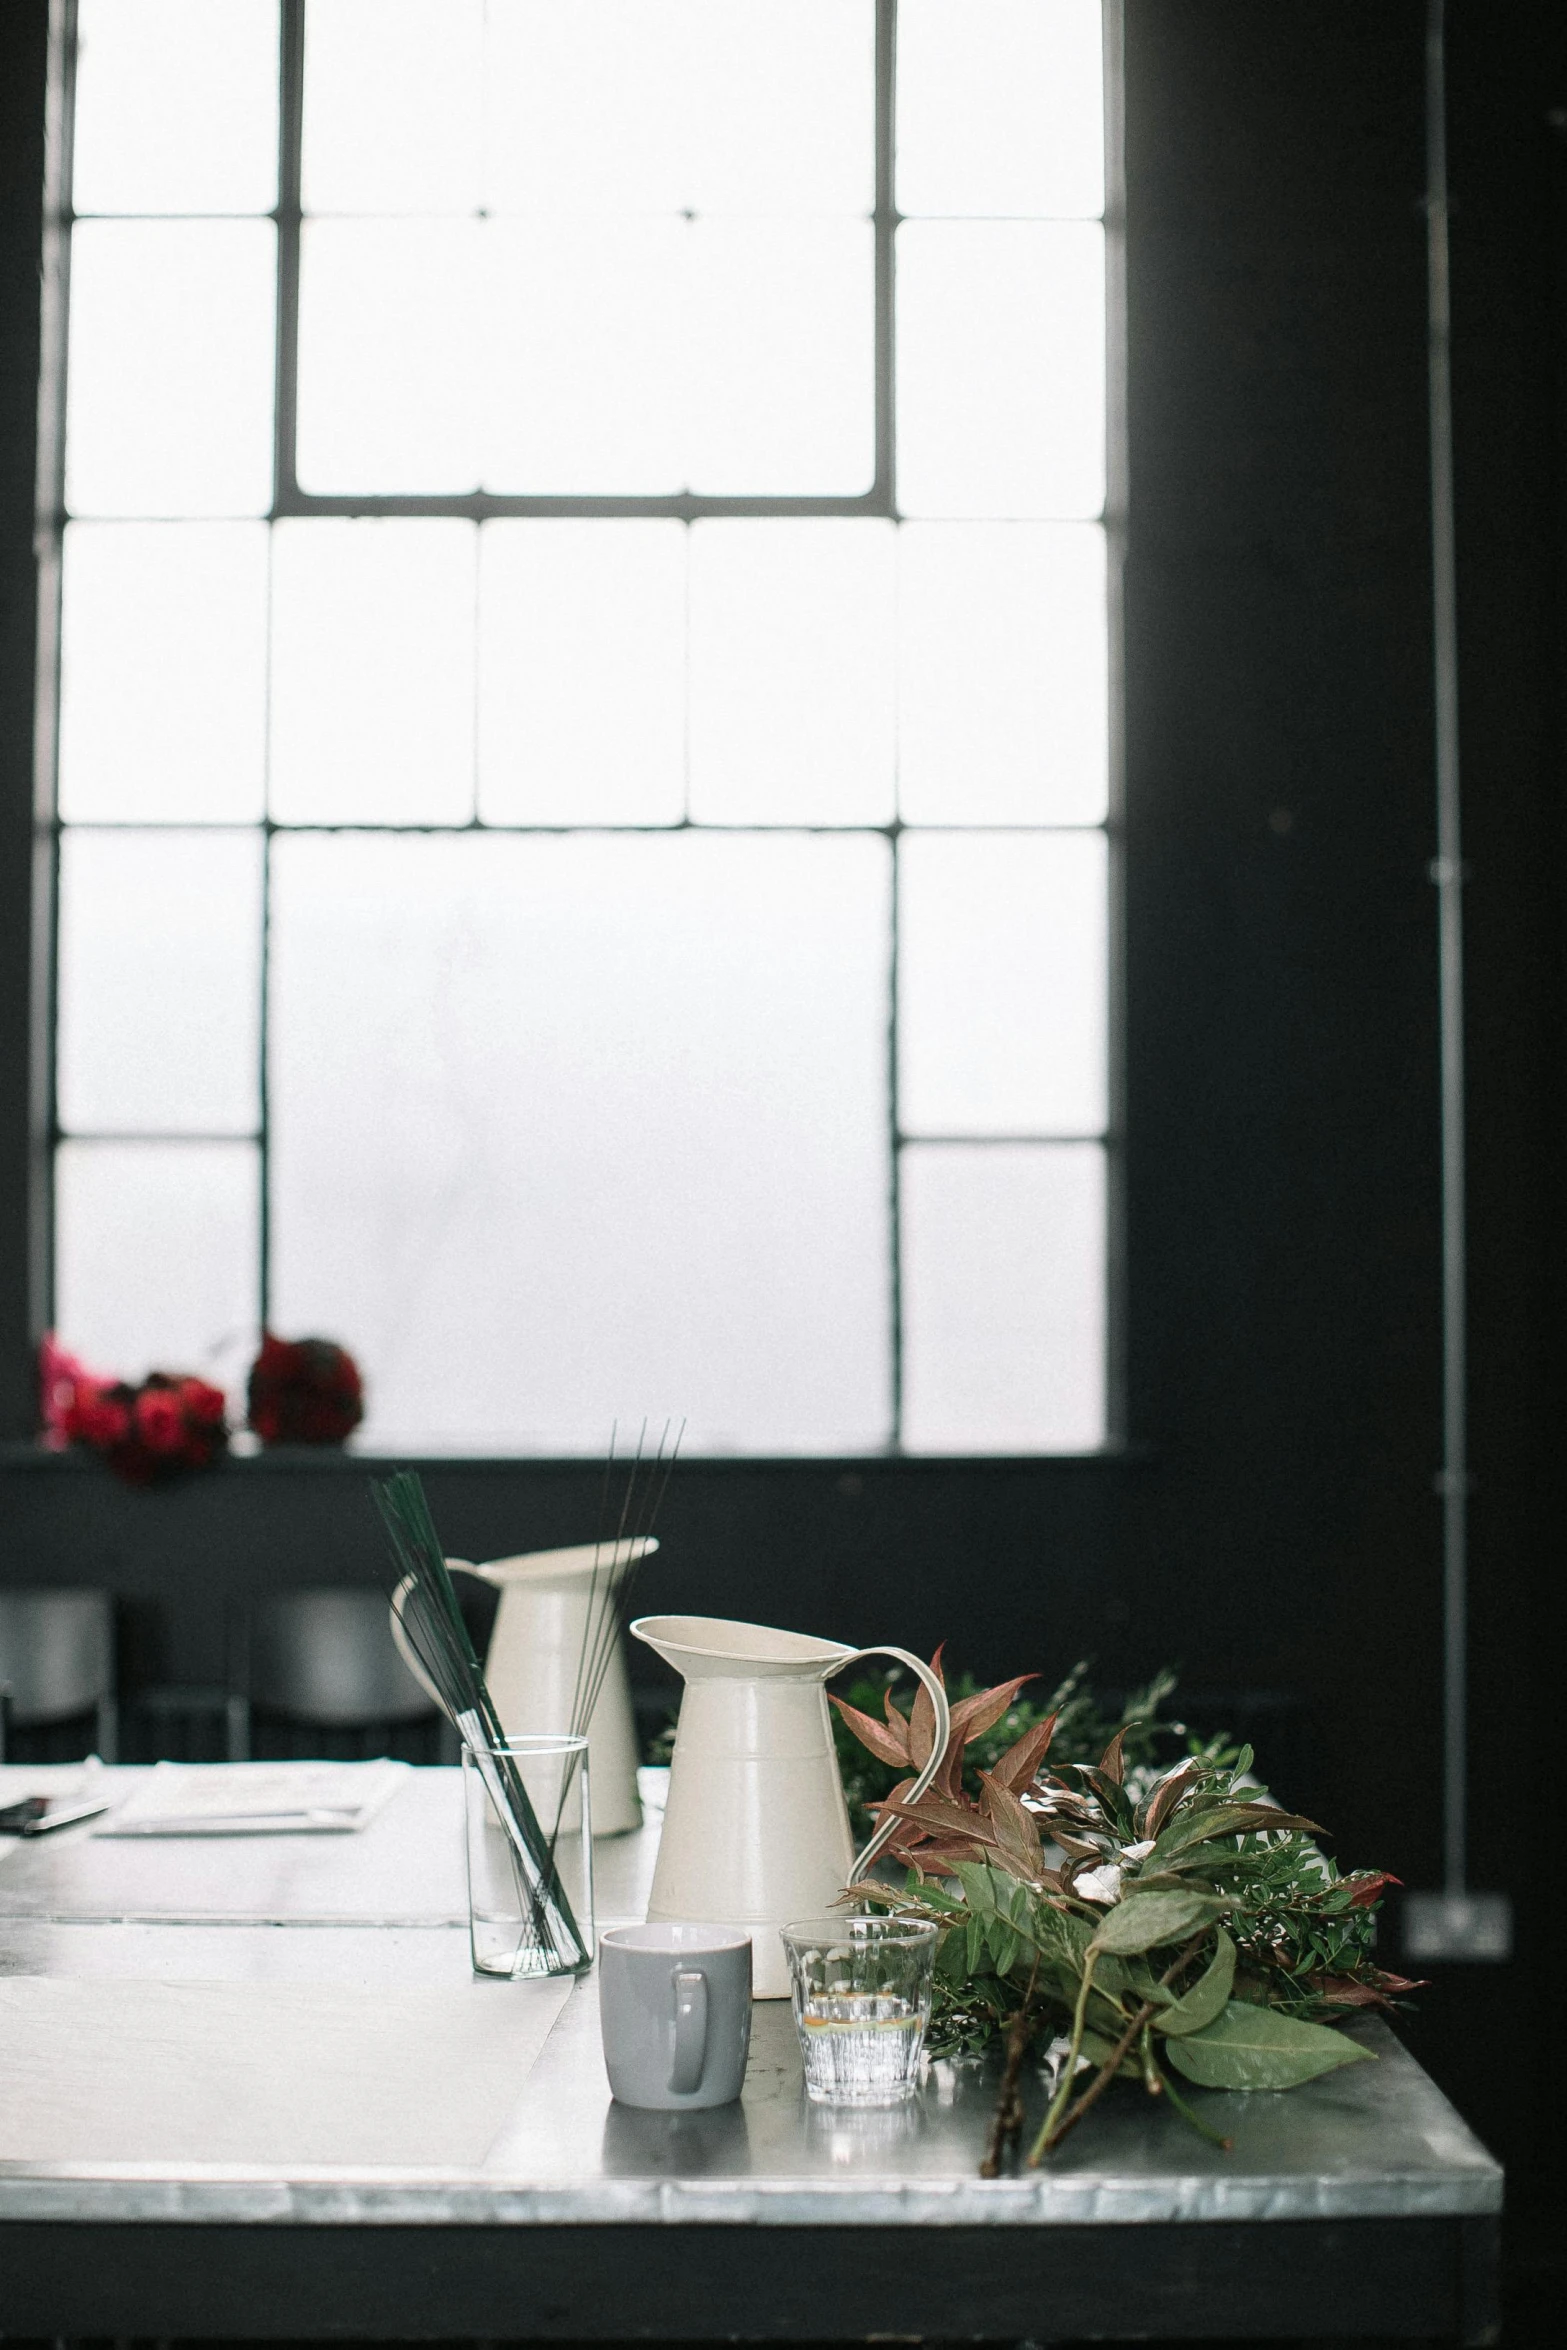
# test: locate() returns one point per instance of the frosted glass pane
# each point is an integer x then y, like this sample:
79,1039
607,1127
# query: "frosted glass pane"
1000,107
163,659
1001,381
1003,1297
781,371
692,105
584,104
1001,983
169,405
372,672
155,1255
388,355
176,106
781,106
572,1127
587,356
392,106
645,356
1003,673
791,672
582,664
160,982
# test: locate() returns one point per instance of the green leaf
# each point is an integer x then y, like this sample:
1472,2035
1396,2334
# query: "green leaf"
977,1882
1143,1984
976,1943
1207,1998
1257,2048
1111,1977
952,1955
1143,1920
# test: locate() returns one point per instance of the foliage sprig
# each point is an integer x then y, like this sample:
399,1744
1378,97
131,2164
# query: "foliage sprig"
1160,1922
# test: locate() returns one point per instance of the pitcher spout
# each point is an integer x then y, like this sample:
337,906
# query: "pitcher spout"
716,1648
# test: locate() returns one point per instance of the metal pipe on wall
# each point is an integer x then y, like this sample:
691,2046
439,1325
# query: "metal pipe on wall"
1454,1923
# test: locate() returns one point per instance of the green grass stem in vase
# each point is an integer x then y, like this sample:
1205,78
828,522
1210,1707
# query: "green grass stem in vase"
433,1625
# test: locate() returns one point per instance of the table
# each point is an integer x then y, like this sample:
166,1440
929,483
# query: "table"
250,2088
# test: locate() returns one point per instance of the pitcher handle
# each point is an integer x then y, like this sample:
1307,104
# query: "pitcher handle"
400,1639
890,1823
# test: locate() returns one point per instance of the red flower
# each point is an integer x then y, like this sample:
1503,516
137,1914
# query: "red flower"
61,1379
160,1422
304,1391
146,1434
201,1404
98,1414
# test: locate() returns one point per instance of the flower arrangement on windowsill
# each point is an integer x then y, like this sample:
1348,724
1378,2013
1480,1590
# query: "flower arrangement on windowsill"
149,1431
154,1430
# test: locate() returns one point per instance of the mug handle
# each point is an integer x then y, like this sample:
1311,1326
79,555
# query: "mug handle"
685,2073
888,1827
400,1639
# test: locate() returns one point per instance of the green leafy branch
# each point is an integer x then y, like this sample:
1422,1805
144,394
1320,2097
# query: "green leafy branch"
1161,1923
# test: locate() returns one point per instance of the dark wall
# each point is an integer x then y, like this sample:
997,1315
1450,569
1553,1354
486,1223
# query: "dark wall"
1274,1527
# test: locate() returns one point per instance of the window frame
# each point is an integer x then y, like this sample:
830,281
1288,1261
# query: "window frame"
290,502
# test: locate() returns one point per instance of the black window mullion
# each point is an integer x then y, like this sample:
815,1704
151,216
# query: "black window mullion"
291,95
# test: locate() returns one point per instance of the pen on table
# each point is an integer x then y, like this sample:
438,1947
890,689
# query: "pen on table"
48,1821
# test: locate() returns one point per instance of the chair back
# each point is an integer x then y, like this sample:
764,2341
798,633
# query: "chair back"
56,1653
326,1656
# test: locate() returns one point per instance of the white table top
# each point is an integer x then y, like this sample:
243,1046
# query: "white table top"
287,2027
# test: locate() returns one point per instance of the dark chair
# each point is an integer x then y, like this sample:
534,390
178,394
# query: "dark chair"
56,1667
317,1673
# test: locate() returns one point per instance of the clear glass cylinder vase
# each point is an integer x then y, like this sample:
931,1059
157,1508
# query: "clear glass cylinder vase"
529,1835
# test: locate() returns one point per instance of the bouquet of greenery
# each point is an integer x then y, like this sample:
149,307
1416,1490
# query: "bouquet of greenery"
1147,1923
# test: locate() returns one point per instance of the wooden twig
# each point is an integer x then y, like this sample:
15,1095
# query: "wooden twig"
1051,2138
1006,2128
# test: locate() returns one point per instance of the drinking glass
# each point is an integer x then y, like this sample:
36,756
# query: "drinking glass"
861,1991
529,1836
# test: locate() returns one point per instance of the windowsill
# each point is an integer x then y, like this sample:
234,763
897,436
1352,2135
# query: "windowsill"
327,1460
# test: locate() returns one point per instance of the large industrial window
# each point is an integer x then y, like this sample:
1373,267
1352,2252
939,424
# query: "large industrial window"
583,733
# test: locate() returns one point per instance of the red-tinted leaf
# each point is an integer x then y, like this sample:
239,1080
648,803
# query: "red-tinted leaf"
975,1715
1071,1846
1344,1991
1015,1826
949,1779
1019,1766
1111,1762
1166,1796
885,1743
939,1854
940,1815
922,1725
1272,1815
1373,1990
1105,1789
1368,1884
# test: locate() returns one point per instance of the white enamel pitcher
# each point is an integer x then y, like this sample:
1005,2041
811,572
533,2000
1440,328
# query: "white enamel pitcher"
756,1831
532,1663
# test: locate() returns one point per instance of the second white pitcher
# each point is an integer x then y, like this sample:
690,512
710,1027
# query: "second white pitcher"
756,1831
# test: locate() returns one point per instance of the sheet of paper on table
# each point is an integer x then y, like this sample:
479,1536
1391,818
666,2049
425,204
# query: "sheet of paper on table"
256,1799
